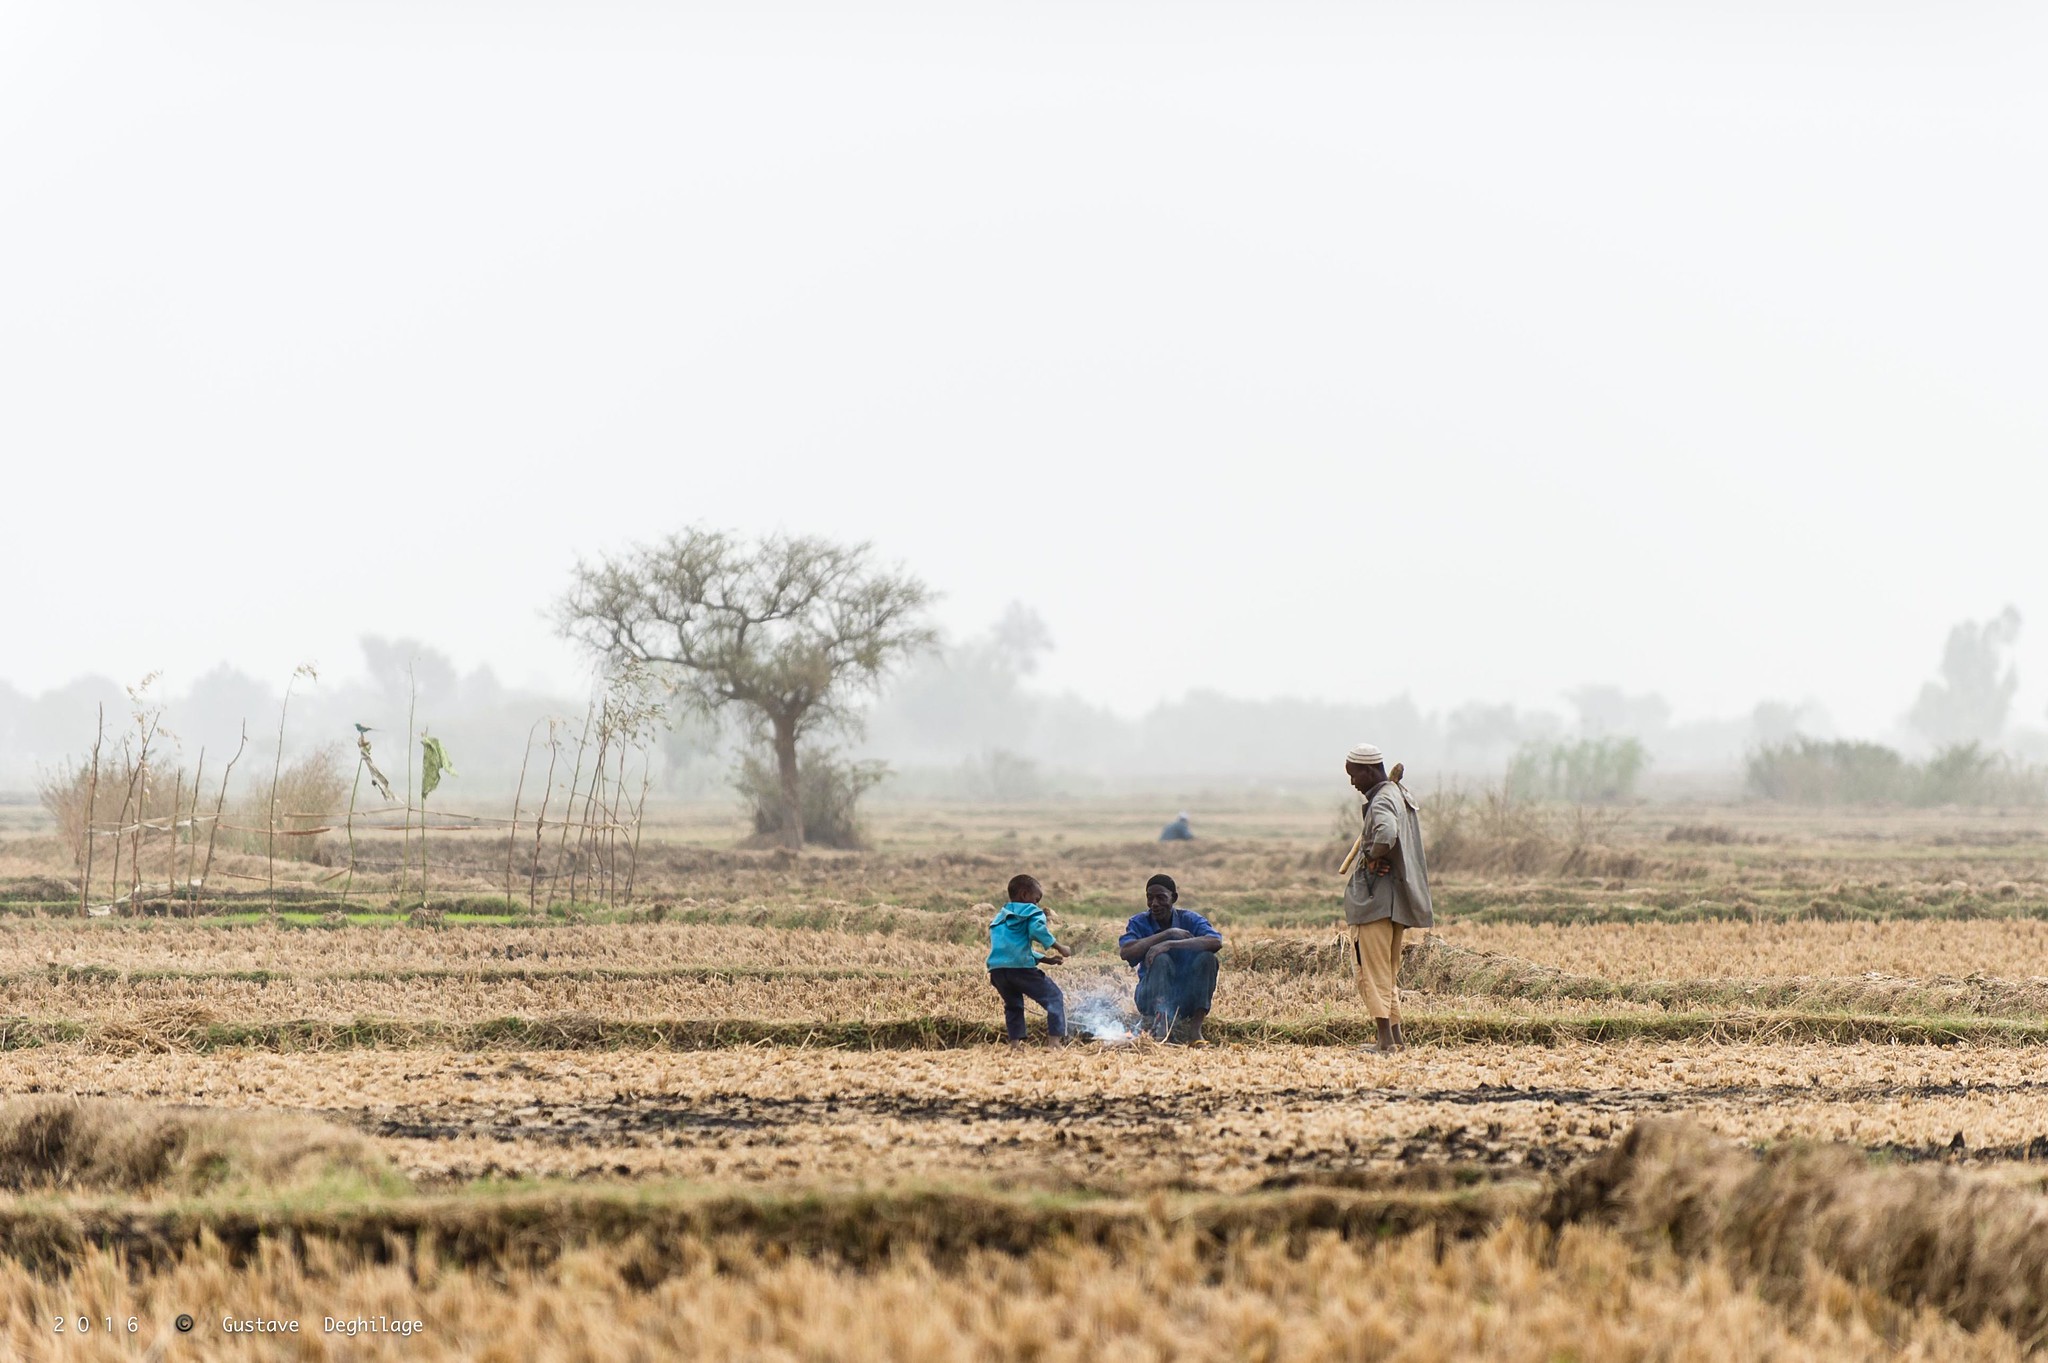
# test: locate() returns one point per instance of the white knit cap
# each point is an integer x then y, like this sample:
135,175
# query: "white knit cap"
1366,755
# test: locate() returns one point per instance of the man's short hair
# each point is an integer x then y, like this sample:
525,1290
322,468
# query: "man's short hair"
1164,879
1021,886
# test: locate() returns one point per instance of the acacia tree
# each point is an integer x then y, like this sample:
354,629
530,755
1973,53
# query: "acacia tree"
789,630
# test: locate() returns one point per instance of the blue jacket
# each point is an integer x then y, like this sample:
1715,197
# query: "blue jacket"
1011,933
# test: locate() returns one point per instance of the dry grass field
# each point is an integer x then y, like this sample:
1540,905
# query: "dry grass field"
1684,1083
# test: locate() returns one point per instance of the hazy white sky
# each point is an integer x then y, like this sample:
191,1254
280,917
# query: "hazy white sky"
1472,351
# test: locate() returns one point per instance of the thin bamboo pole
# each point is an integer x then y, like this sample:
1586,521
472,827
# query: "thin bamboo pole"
171,875
611,831
276,769
121,825
412,703
585,831
518,794
354,787
540,824
220,807
92,798
569,814
424,821
192,829
639,819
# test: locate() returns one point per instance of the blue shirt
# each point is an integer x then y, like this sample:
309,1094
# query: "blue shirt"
1011,933
1141,926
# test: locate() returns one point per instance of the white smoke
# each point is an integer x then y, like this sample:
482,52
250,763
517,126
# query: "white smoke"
1099,1006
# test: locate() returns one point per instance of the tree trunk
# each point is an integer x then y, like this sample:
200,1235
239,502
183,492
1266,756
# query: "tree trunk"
792,793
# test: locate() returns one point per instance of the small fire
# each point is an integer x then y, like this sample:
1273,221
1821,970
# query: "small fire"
1098,1006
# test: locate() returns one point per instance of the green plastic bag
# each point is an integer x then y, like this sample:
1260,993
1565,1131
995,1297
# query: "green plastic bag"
433,761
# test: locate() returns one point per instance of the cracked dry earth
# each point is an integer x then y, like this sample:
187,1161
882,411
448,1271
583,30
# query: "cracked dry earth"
1230,1118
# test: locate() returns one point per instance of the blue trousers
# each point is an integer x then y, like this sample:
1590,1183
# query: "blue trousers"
1018,985
1177,984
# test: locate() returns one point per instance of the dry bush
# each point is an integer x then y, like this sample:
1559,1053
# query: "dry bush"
67,793
64,1144
312,792
1967,1246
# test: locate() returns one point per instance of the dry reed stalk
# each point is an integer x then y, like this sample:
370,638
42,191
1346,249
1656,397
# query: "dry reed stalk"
423,835
276,767
92,795
575,783
142,801
586,832
518,794
541,822
611,822
220,807
405,846
192,824
639,816
350,822
177,799
121,826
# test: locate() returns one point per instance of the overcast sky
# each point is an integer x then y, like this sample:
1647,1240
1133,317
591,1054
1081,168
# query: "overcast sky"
1471,351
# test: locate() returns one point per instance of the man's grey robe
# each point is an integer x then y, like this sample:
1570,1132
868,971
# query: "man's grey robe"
1392,833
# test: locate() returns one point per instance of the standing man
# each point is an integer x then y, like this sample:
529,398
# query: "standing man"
1388,892
1174,950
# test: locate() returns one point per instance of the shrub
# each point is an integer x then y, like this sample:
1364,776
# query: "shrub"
1591,771
1964,774
312,792
67,793
828,786
1808,771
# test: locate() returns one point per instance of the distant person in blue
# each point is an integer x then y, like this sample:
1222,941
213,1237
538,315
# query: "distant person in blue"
1180,830
1013,965
1174,950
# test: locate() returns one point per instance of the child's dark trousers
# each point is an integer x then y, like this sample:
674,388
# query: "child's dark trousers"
1018,985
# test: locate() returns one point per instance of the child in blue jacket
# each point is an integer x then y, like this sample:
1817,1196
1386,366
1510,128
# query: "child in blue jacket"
1013,966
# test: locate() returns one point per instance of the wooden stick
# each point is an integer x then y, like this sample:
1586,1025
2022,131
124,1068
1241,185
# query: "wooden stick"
412,682
192,826
518,794
569,815
177,799
1351,857
220,805
277,766
354,787
639,817
540,824
92,796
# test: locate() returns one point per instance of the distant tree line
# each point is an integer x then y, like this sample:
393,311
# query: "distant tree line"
1844,772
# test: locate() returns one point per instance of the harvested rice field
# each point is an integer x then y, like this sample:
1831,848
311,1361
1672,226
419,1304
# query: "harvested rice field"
1770,1090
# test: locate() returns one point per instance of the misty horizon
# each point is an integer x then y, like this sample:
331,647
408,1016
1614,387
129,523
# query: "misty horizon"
1686,354
958,707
